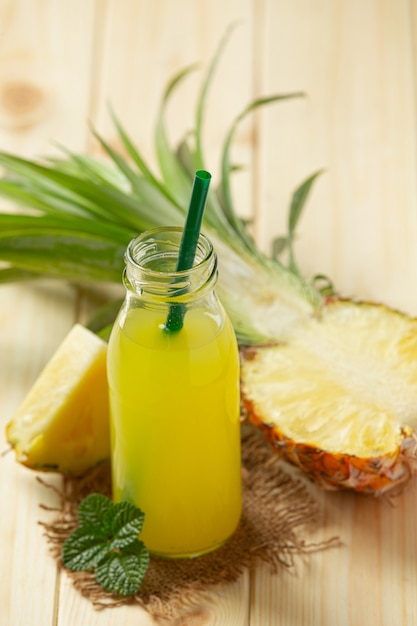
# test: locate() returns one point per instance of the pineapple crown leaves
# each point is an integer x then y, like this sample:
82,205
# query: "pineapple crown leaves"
320,283
106,541
78,213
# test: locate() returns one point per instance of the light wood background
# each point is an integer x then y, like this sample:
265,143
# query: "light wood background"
61,61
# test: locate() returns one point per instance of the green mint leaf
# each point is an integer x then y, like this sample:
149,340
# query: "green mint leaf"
106,541
122,572
127,524
83,550
93,509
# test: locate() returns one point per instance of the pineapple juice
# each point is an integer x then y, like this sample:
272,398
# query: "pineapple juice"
175,428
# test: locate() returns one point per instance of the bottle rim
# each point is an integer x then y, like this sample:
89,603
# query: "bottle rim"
149,237
160,246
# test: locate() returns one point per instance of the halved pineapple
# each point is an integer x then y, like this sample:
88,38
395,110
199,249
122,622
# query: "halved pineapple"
63,423
338,397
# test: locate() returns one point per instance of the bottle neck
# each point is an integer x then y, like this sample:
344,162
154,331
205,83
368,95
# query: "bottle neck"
151,261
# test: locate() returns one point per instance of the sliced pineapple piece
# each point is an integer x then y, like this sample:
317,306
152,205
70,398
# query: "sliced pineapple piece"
339,398
63,423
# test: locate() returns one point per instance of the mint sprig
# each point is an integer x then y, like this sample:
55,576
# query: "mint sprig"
106,541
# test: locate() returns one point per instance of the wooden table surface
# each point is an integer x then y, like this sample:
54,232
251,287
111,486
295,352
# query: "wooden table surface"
61,61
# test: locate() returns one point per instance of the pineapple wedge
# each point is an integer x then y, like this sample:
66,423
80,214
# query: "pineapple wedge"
63,423
338,397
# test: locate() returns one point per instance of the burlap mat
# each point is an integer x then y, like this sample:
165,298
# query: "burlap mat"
276,510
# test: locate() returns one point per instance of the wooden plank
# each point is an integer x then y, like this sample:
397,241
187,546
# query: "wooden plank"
354,60
146,43
45,64
32,324
370,578
45,51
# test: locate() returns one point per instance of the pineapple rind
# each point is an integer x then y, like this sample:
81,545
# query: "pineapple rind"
363,438
334,471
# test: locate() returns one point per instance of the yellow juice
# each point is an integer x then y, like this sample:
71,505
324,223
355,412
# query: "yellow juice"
174,401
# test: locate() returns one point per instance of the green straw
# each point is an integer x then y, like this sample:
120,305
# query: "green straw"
188,245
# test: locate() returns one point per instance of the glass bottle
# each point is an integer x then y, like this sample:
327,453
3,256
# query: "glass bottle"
174,399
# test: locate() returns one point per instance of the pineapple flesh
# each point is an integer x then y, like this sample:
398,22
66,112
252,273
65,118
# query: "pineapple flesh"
62,424
338,397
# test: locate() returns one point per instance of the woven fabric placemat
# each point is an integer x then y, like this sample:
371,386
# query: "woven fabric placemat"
277,510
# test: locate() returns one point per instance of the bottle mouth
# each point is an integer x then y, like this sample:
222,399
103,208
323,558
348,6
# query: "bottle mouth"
151,260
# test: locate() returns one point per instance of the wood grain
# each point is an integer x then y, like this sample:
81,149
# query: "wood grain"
60,64
355,62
